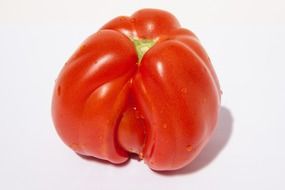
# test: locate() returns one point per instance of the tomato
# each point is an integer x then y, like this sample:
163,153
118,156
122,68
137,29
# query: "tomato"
140,85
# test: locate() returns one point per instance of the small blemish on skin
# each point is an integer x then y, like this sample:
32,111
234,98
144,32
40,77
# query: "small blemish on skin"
82,47
74,146
189,148
164,125
184,90
59,90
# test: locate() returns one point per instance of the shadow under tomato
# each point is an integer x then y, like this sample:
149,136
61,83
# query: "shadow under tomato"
216,144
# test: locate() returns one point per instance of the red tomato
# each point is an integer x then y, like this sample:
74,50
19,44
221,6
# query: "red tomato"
143,85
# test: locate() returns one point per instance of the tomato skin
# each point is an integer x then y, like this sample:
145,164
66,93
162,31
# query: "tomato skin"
86,89
107,103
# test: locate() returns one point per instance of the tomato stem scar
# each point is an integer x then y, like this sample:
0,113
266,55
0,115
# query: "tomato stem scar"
142,46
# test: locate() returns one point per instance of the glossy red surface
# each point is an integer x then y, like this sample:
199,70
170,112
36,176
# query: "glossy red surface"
107,104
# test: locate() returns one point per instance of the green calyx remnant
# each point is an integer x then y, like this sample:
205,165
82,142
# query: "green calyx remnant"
142,46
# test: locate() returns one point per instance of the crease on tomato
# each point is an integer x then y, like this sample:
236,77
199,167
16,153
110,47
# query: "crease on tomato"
105,153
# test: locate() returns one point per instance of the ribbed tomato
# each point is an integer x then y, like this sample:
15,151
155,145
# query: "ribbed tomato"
143,85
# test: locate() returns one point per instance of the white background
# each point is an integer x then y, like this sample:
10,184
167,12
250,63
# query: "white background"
246,42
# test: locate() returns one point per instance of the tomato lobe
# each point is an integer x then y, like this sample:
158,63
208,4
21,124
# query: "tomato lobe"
131,131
